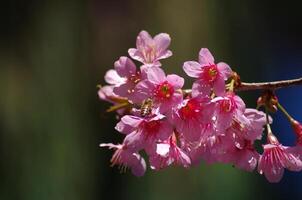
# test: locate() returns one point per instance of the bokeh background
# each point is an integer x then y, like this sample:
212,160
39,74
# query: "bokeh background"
54,53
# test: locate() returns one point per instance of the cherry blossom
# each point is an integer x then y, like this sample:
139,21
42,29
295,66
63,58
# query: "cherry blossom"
275,158
209,75
150,50
161,88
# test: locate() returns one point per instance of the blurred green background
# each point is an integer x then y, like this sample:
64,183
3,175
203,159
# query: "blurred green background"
54,53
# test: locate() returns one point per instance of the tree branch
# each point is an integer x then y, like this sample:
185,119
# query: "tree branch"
243,86
268,85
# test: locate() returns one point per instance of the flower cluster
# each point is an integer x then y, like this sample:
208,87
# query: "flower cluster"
177,127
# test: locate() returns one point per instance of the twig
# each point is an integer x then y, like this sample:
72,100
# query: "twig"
268,85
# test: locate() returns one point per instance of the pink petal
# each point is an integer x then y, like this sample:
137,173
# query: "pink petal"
219,86
145,88
184,159
128,124
166,106
123,90
131,120
200,88
192,69
156,75
136,55
162,149
239,103
205,57
165,130
125,67
143,39
163,55
113,78
138,167
134,141
176,81
106,91
162,41
111,146
224,70
293,163
247,160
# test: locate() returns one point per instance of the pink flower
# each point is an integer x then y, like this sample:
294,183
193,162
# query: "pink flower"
168,153
193,118
126,70
209,75
161,88
228,107
125,158
150,50
275,158
143,133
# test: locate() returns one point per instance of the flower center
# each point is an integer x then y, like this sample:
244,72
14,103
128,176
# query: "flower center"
164,91
135,78
210,73
150,53
190,110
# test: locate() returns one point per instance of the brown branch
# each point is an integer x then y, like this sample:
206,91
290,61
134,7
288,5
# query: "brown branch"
262,86
268,85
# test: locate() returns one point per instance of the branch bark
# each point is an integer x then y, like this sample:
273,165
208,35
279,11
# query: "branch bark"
274,85
268,85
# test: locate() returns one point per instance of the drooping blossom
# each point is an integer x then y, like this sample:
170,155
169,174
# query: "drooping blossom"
143,133
161,89
275,158
193,118
150,50
209,75
127,159
167,153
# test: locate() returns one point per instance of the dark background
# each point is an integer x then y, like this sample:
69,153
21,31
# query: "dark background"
54,53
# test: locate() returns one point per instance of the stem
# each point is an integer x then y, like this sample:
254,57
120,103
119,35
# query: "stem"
269,130
285,112
232,85
117,107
